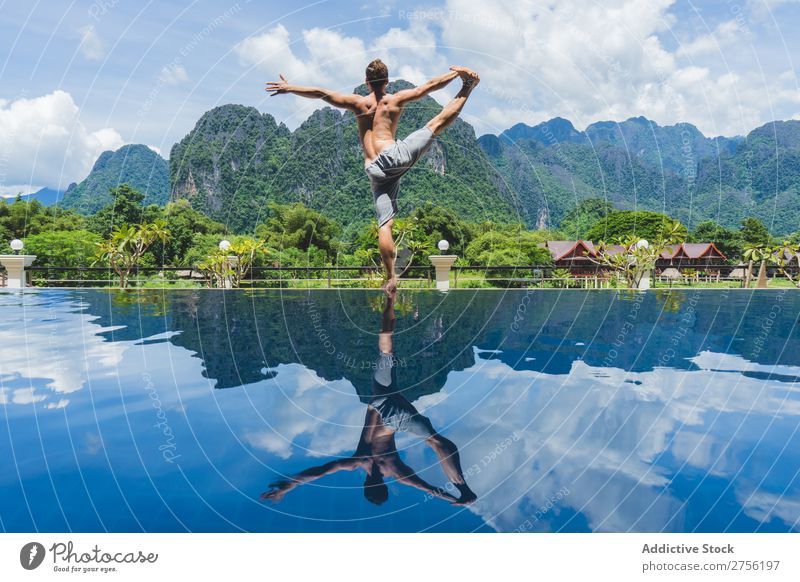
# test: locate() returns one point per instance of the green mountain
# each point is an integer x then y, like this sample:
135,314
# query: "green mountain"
639,164
135,164
236,160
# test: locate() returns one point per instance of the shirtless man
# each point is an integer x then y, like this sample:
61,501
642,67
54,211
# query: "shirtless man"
388,412
386,159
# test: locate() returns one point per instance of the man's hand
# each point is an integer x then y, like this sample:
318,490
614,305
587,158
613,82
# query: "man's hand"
277,490
278,87
468,76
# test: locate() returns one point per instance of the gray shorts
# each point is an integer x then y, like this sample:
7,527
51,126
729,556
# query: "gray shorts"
385,171
399,414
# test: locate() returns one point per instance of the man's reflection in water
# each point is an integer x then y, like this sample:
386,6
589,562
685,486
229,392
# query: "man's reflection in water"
387,413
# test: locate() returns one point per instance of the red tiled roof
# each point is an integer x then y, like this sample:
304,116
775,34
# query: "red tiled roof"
561,248
694,251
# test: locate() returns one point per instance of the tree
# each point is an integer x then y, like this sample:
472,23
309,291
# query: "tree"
783,255
754,233
753,253
580,219
499,248
75,248
651,226
300,227
184,224
223,268
23,218
127,244
126,208
434,223
729,242
635,259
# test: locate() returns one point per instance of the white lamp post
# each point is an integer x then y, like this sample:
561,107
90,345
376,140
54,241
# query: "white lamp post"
443,263
15,265
224,245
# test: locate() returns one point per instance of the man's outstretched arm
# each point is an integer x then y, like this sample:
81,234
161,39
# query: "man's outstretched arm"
281,487
341,100
408,95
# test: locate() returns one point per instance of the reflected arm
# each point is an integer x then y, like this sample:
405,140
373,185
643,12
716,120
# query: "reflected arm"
281,487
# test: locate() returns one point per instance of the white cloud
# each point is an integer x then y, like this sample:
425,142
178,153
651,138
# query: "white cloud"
591,63
303,406
42,141
271,53
727,33
328,58
92,47
339,61
604,439
173,74
26,396
586,63
28,354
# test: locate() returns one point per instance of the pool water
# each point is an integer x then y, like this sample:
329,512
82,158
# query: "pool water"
566,411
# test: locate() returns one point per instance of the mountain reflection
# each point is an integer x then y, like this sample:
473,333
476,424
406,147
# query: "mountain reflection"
561,411
388,412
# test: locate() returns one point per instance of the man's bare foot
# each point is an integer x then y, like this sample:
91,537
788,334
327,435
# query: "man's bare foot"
469,78
390,287
465,500
467,496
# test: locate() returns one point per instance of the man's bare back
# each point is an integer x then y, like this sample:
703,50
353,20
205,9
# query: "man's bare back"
378,114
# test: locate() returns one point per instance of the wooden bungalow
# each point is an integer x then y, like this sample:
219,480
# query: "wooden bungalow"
580,256
691,256
575,255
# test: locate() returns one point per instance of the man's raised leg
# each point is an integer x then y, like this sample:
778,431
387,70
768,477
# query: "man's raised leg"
388,251
449,459
450,111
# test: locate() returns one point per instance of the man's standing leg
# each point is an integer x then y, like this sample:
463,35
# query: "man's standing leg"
387,250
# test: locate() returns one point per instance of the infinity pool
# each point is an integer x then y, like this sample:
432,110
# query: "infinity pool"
564,411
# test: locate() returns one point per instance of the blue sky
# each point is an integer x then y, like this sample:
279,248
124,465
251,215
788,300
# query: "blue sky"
80,77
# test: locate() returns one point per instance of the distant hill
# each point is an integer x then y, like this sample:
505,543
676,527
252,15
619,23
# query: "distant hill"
46,196
639,164
236,160
135,164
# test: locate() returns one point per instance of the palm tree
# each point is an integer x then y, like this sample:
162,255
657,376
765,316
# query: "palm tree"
127,245
753,253
783,255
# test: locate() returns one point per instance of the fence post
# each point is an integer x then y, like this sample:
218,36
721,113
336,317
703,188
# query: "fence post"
329,277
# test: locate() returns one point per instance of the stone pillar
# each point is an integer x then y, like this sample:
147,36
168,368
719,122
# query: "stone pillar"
15,269
442,263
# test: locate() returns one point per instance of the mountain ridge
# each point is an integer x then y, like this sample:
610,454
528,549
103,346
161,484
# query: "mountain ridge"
236,160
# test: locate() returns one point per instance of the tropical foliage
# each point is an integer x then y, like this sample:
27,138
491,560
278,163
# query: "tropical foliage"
128,244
